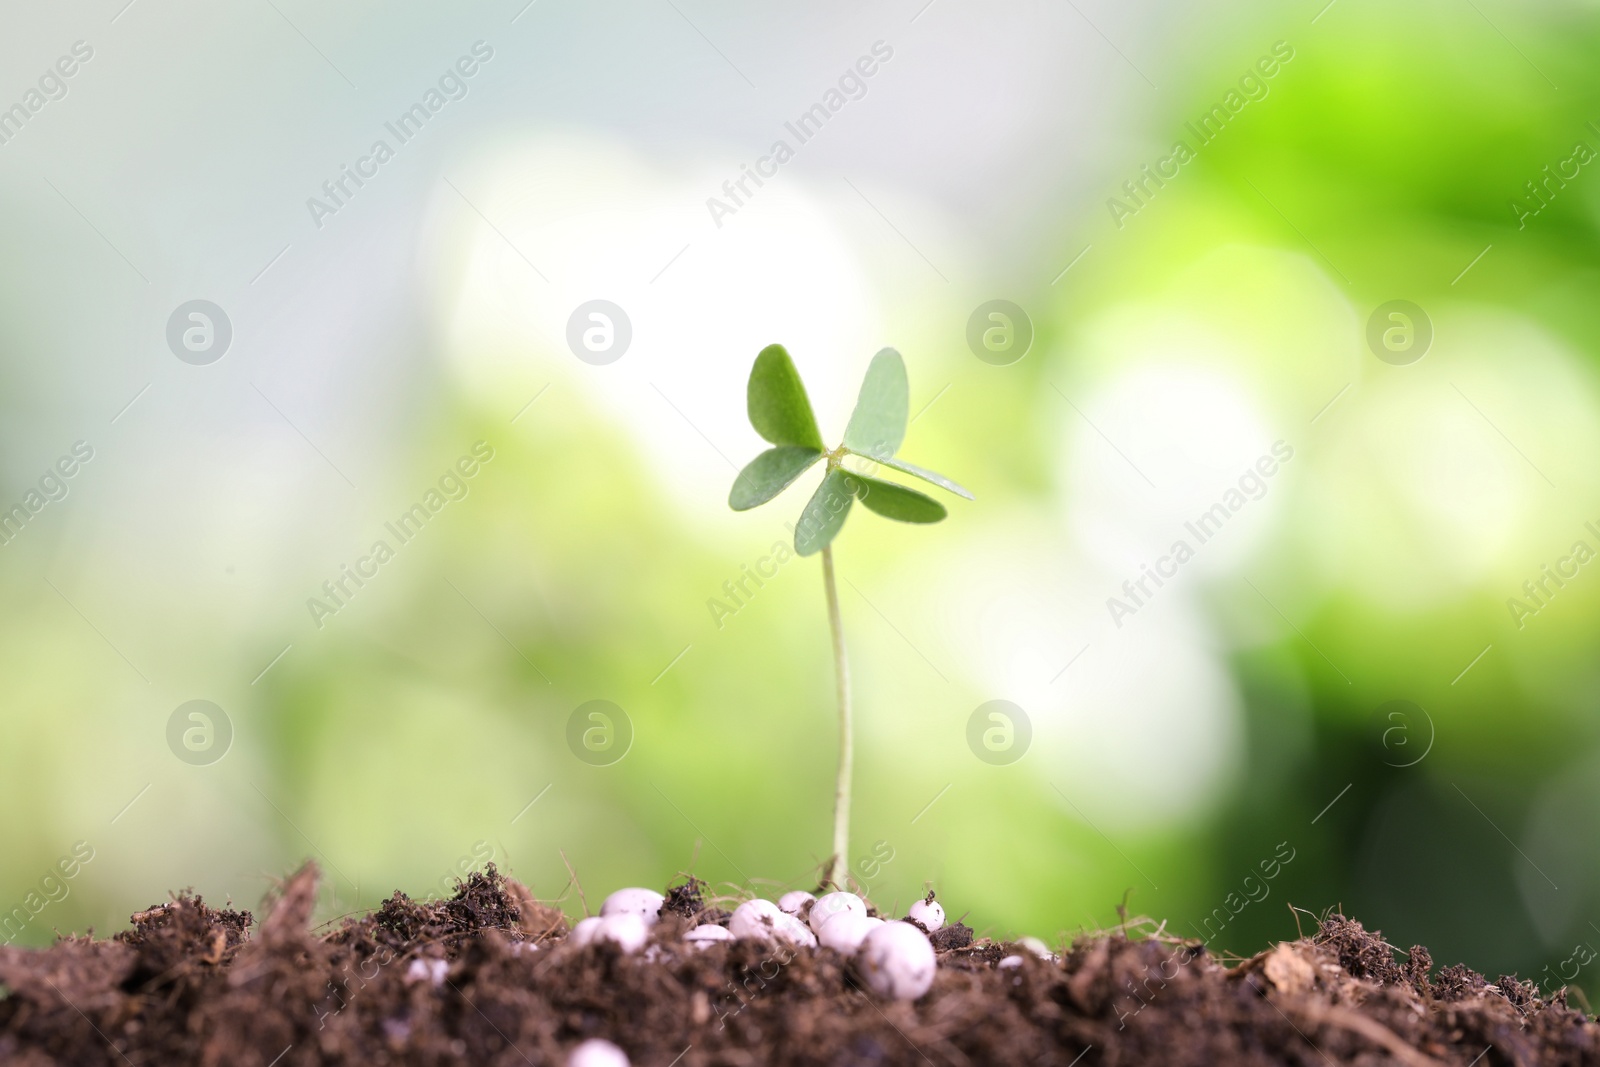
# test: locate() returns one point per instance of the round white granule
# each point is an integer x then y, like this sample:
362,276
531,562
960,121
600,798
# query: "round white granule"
930,913
627,930
645,903
846,930
762,920
597,1052
897,961
1037,947
703,937
794,900
431,971
830,904
584,932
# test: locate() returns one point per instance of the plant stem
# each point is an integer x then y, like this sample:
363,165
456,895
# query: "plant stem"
841,670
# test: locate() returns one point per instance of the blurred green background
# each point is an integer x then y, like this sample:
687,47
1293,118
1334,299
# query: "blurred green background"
1240,722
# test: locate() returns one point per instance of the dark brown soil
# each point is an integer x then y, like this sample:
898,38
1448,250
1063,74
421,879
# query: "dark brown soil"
486,978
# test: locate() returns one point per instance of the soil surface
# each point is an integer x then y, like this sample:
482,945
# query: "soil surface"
487,978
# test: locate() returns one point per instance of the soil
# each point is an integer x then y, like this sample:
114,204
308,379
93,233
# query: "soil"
487,978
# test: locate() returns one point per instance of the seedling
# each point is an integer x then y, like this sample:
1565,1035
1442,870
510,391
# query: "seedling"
781,413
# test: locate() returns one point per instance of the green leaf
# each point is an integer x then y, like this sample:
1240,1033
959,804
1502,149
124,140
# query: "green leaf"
878,424
825,513
922,472
897,502
769,474
779,408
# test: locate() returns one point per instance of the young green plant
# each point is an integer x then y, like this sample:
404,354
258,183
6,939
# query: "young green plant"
781,413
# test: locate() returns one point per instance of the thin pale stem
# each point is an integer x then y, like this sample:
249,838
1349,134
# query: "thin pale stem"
841,670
